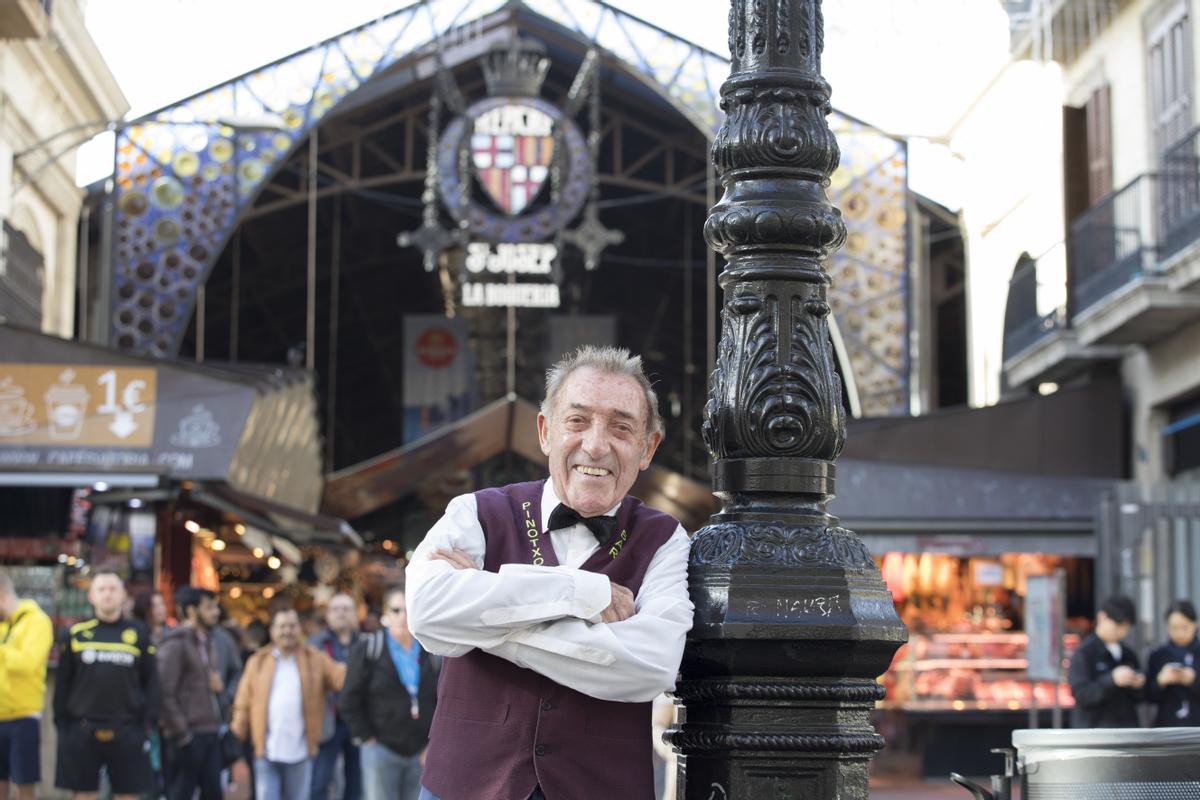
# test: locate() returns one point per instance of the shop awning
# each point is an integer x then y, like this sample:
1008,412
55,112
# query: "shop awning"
299,527
76,414
509,424
893,506
917,509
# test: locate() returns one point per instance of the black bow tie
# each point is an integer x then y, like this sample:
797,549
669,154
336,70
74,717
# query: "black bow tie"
563,516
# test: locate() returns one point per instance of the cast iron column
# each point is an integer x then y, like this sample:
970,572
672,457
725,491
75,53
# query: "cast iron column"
793,622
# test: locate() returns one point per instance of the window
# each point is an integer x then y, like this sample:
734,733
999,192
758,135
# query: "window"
1170,68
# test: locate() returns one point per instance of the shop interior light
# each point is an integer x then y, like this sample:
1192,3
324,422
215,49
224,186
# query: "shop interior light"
100,486
239,529
235,592
273,562
218,544
387,544
135,503
62,558
268,593
258,552
192,526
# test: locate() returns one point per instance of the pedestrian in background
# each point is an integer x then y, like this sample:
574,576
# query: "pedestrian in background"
227,657
26,636
1104,674
279,706
106,698
339,635
150,609
191,711
1171,671
388,703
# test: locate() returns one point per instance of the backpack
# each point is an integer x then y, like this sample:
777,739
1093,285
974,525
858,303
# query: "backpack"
376,646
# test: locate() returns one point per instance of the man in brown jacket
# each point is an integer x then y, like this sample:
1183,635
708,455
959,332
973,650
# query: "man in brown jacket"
279,706
191,710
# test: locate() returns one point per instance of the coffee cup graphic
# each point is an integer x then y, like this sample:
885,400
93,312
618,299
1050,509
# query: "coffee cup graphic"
16,412
66,407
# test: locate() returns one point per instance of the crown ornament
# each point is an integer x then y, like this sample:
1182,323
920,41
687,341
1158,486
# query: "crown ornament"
516,67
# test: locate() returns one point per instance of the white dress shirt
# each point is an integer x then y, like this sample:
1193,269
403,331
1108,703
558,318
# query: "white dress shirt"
548,618
286,743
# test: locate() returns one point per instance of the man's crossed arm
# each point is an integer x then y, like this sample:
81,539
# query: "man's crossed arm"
573,626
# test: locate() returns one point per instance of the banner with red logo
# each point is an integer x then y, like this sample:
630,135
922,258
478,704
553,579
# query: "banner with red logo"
439,373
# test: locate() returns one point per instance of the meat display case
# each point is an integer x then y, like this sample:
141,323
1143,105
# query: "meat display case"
955,672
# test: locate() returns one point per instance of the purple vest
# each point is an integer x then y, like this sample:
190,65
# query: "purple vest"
499,729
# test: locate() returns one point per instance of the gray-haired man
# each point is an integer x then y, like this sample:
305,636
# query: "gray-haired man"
562,605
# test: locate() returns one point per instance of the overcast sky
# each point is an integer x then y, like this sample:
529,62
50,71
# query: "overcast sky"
910,67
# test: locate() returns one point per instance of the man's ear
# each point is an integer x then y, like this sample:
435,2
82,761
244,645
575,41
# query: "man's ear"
543,426
653,441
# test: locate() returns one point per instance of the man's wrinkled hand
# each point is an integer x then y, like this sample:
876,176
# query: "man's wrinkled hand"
621,607
459,559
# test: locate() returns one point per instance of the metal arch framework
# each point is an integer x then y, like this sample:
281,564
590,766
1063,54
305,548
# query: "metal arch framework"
184,179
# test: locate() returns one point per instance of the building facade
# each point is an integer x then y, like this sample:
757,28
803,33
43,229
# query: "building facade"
55,92
1121,294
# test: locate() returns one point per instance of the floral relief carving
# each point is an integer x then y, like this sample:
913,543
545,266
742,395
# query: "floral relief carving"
783,26
758,27
728,544
774,128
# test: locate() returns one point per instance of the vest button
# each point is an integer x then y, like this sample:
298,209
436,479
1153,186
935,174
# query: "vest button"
540,750
547,706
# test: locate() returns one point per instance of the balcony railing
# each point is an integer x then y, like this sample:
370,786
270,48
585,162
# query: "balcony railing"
1023,325
1033,331
1179,196
1113,242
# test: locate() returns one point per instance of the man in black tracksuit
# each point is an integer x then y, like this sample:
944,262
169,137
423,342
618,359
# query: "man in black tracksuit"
1104,675
106,697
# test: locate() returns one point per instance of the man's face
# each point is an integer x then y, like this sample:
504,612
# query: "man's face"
395,617
340,614
597,440
107,595
8,603
1181,629
209,612
285,631
158,609
1108,630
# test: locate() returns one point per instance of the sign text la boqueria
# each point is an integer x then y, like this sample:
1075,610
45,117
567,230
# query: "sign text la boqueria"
509,259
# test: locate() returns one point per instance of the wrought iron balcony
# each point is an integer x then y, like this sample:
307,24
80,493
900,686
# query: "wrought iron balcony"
1179,196
1032,331
1113,243
1023,325
1120,291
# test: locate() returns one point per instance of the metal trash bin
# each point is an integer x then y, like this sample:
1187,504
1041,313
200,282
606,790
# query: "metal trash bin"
1109,764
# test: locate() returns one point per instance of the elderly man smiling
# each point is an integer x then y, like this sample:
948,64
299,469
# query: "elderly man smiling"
562,605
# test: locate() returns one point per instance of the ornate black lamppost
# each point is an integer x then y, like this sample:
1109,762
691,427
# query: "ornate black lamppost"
793,622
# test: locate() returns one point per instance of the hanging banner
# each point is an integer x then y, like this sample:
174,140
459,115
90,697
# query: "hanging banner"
438,373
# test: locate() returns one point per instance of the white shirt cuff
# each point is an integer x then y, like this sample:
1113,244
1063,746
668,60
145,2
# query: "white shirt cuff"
593,594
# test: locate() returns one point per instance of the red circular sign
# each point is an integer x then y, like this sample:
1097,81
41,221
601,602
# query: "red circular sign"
437,348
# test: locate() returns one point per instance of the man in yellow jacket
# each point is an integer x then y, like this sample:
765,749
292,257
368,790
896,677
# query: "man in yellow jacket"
25,639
